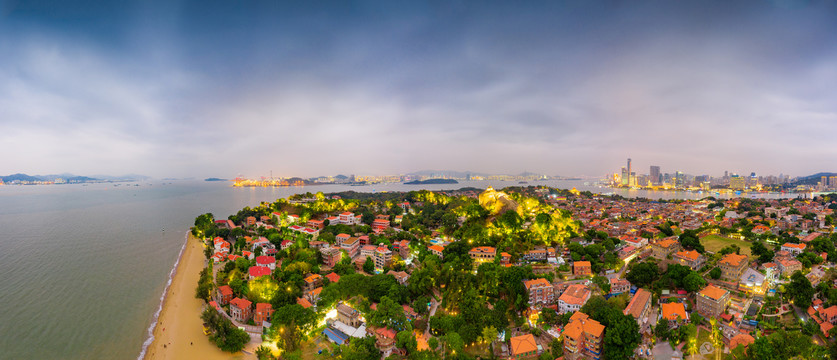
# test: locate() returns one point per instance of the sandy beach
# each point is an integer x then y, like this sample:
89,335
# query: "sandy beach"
179,330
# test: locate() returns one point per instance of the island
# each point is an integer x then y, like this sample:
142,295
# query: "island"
432,181
214,179
521,272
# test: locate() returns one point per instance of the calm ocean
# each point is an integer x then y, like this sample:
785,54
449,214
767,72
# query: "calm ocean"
82,268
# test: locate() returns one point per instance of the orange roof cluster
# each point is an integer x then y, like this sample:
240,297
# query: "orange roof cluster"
581,263
673,311
536,282
690,255
483,249
795,246
523,344
713,292
733,259
666,243
637,303
581,323
575,294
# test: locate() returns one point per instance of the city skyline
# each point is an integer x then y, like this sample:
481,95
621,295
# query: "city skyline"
177,89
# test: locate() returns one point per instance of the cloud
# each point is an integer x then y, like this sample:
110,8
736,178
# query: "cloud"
554,88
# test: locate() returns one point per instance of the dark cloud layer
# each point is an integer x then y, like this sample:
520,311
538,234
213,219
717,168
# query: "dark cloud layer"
307,88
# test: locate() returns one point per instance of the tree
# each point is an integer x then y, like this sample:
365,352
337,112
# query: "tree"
715,273
764,254
291,324
643,274
369,266
453,341
224,334
693,282
489,334
406,340
603,283
800,290
204,284
361,349
661,330
388,314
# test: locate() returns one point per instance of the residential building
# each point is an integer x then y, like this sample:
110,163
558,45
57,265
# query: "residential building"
536,255
712,301
573,298
675,313
263,313
793,249
582,268
788,266
583,338
400,276
240,309
523,347
351,245
436,250
315,224
312,281
346,218
347,315
379,225
333,277
403,248
367,250
663,248
258,271
340,238
640,305
331,256
383,257
732,266
225,294
482,254
741,339
618,286
690,258
266,261
540,291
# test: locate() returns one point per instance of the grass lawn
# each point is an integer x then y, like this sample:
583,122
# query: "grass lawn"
310,348
715,243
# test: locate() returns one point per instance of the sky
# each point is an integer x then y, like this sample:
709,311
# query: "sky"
308,88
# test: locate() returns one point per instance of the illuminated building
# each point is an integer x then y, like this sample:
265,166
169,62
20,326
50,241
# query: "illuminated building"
712,301
583,338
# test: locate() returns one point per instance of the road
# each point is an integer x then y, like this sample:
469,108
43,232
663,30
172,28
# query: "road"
433,306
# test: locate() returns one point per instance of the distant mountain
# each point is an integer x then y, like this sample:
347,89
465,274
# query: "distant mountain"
812,179
214,179
341,177
20,177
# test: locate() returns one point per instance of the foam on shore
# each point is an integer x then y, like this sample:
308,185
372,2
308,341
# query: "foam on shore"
150,338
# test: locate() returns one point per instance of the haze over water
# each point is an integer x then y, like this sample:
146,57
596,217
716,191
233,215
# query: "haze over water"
82,268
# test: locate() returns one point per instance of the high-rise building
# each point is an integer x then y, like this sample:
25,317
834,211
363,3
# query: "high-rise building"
737,183
832,182
626,177
655,174
629,165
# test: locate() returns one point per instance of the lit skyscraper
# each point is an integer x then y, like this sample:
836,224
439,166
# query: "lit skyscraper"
655,174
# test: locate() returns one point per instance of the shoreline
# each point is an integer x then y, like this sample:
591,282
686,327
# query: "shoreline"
178,330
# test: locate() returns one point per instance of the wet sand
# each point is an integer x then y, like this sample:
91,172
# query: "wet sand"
179,330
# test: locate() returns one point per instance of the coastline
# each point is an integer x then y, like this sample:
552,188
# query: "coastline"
178,332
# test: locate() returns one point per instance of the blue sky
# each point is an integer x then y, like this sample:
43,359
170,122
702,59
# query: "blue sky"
221,88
